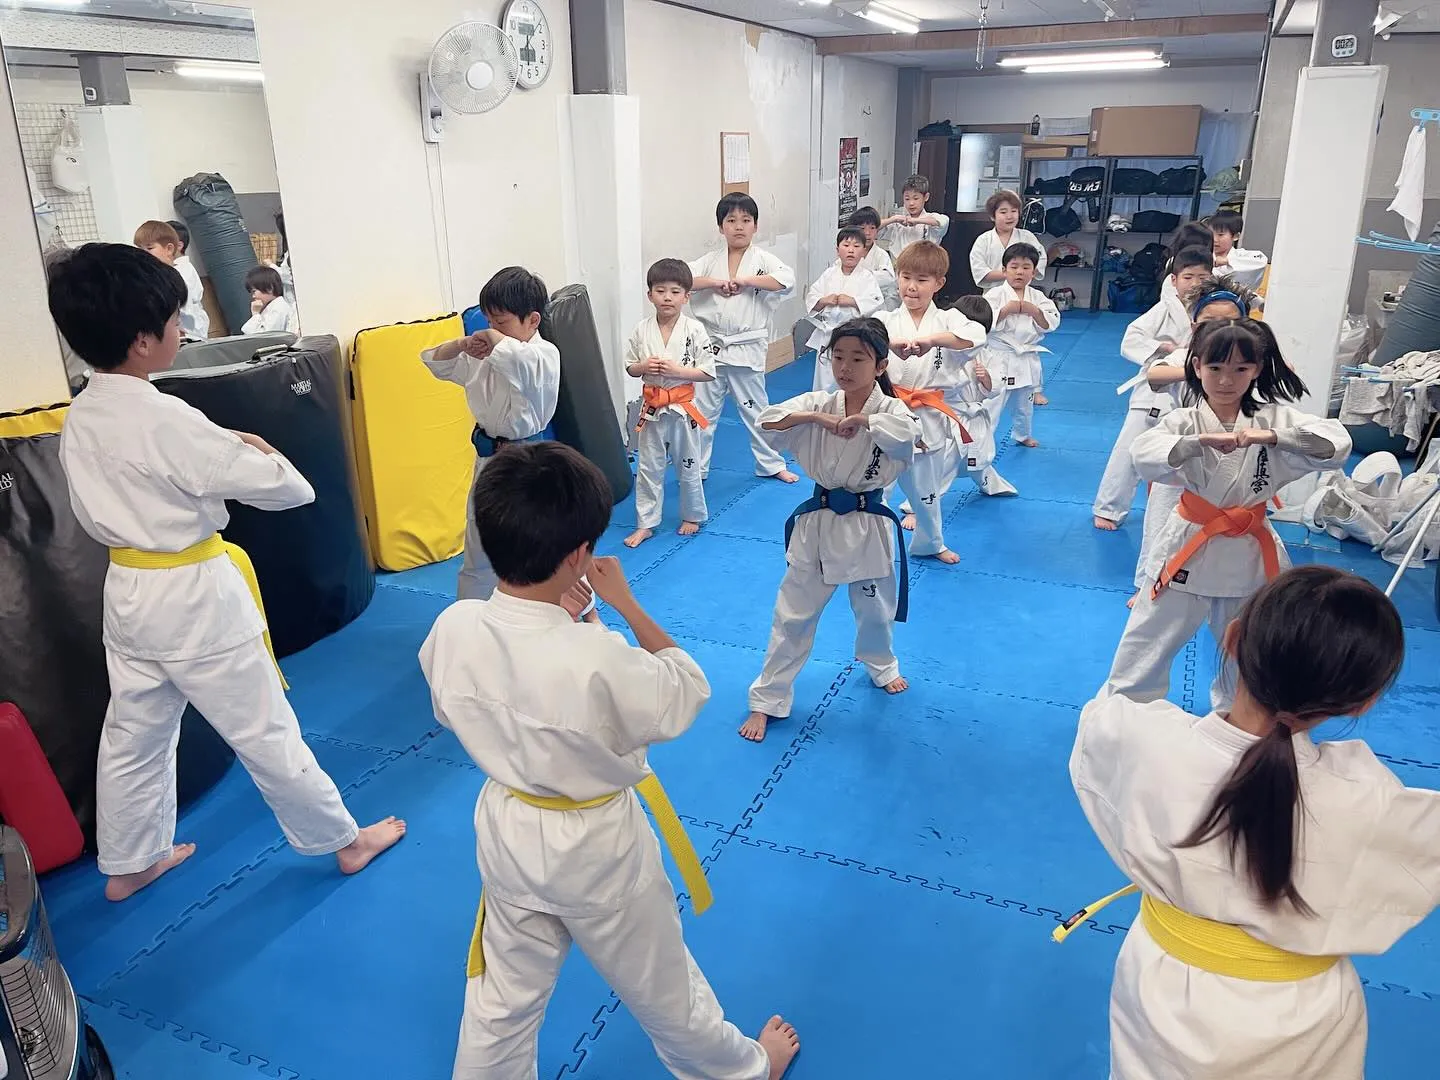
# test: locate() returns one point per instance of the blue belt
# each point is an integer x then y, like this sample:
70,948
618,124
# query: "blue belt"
841,501
487,445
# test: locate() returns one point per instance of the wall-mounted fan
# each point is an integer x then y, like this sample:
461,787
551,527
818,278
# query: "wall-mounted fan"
472,69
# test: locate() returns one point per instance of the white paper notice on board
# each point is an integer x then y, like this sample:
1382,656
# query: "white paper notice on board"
1009,162
735,157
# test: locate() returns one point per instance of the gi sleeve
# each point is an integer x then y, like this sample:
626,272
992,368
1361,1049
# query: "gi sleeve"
979,264
895,429
1169,453
1310,443
655,697
869,297
772,266
209,462
1141,343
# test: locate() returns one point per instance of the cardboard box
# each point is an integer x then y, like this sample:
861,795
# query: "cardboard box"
1145,130
1038,150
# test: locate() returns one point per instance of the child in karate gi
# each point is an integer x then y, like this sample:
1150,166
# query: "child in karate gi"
270,312
854,441
1023,316
1232,262
560,716
845,291
970,397
511,377
1246,839
915,222
148,477
1151,341
987,255
736,292
929,358
161,239
1231,452
673,354
877,260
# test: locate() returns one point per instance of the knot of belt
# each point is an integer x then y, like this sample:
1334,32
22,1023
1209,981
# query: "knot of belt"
1220,521
658,397
843,501
916,400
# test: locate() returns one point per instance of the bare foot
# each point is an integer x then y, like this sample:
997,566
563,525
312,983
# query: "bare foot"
1105,524
123,886
638,537
1028,442
754,727
785,476
688,528
781,1044
948,557
897,685
908,523
1040,399
373,840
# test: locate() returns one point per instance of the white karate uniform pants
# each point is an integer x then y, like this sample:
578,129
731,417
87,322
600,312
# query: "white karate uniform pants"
1160,504
803,596
747,387
669,434
924,484
1120,481
1154,635
639,950
239,693
477,578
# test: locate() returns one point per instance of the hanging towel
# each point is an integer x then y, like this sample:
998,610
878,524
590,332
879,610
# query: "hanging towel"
1410,187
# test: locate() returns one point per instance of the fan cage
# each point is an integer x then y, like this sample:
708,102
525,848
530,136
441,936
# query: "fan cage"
457,50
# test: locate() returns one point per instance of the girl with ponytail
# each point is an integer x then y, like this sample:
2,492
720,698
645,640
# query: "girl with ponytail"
1264,859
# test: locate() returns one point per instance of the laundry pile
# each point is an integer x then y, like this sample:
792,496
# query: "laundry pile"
1393,396
1372,500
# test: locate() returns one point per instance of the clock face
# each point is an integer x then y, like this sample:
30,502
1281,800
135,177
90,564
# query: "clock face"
526,26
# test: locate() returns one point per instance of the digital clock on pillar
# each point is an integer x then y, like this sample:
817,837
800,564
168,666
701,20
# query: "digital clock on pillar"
526,26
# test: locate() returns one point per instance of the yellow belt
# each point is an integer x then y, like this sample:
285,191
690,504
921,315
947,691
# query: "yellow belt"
212,547
1216,947
670,829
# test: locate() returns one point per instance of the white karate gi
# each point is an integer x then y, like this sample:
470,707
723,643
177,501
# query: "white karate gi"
512,395
1015,347
863,287
672,431
897,238
194,319
878,261
740,326
1243,267
829,549
1145,776
1220,576
968,398
275,317
989,249
557,708
1167,321
147,471
942,451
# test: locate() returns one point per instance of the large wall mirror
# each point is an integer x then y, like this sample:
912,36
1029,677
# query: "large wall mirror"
143,122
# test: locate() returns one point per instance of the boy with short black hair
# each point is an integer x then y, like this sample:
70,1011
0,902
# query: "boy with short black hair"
511,377
737,289
1243,267
844,291
1023,316
672,353
559,717
168,244
877,260
149,477
915,222
270,312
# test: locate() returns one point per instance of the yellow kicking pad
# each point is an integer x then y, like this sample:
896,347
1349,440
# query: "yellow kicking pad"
212,547
1216,947
667,823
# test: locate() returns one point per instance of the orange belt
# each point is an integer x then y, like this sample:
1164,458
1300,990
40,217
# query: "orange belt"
657,397
1220,521
930,399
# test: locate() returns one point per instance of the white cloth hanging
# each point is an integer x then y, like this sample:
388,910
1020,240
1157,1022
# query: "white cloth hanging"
1409,199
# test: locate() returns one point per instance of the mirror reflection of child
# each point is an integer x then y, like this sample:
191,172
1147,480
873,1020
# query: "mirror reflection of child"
270,312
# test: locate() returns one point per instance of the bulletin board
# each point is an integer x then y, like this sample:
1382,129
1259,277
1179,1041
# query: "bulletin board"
734,162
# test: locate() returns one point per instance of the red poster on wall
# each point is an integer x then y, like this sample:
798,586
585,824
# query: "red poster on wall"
849,178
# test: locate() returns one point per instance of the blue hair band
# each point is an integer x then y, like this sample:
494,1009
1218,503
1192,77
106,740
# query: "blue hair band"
1219,297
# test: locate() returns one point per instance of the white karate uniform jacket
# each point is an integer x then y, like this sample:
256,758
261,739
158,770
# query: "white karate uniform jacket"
689,345
1166,321
194,319
1015,340
878,261
989,249
862,285
848,547
898,237
1368,866
1169,453
972,401
940,369
275,317
740,324
1243,267
670,430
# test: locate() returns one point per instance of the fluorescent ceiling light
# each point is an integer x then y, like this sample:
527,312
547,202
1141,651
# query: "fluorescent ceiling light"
221,72
1079,57
1385,20
891,20
1085,69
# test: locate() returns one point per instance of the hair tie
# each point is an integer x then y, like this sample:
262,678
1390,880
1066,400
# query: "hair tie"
1220,297
1287,721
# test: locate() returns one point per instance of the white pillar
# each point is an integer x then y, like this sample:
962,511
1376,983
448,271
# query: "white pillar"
122,186
1322,199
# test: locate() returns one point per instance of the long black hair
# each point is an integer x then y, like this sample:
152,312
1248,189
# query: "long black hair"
1214,342
872,334
1313,643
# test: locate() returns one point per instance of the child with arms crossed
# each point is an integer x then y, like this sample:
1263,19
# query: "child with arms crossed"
1023,316
845,291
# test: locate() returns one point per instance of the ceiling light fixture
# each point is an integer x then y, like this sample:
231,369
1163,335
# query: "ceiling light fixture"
1086,69
891,19
250,73
1080,58
1385,21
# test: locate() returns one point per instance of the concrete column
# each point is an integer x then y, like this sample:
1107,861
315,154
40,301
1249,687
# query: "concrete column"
122,186
600,185
911,114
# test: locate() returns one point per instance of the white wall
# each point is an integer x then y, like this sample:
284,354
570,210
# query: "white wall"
1014,99
858,101
191,127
